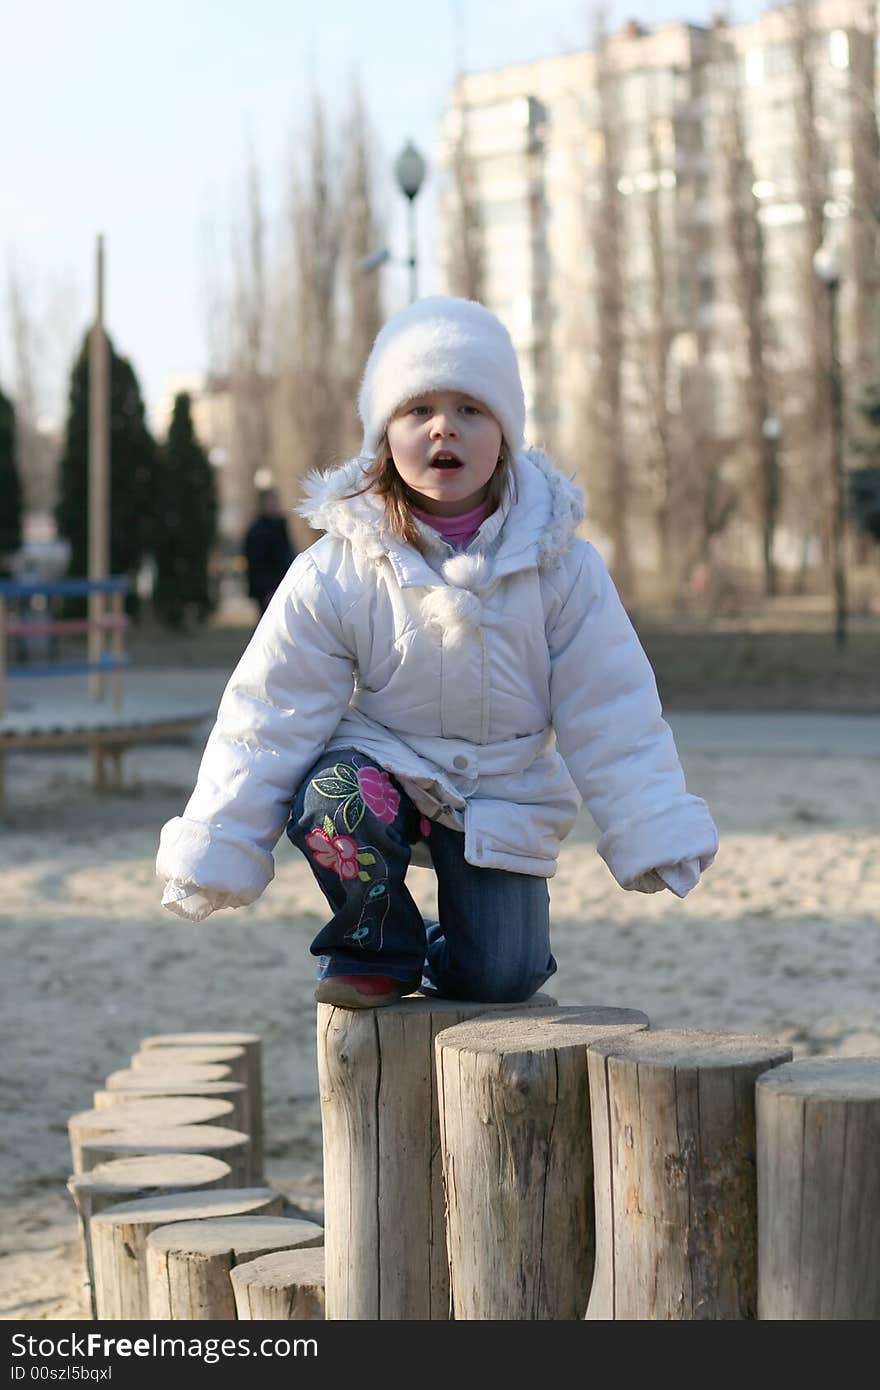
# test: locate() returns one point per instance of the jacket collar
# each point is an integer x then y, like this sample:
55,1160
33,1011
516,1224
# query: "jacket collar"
534,525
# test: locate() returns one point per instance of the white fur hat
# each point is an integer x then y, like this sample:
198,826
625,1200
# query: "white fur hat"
441,343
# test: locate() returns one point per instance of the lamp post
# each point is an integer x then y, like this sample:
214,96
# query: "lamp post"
409,170
771,432
826,264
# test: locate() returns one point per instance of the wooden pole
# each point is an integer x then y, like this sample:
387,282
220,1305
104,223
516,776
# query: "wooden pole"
673,1117
160,1112
155,1088
119,1239
253,1046
166,1058
514,1105
127,1179
383,1176
189,1263
287,1285
819,1190
231,1145
99,474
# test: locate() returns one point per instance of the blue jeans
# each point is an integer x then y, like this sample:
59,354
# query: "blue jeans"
356,826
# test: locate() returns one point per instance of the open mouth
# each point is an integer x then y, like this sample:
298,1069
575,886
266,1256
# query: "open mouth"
445,461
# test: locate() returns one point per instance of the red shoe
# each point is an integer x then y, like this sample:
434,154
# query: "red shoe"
361,991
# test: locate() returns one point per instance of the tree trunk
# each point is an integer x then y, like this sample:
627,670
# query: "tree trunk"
288,1286
515,1137
189,1263
819,1190
673,1115
119,1237
383,1192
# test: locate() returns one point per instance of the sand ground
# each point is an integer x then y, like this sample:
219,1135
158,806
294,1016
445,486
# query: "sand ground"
782,937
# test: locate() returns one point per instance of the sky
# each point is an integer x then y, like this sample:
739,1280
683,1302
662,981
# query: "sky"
133,118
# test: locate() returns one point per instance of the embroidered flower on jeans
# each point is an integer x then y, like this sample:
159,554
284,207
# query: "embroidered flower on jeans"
336,852
356,789
376,789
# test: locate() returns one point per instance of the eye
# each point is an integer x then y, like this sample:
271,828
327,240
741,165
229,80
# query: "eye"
418,409
473,409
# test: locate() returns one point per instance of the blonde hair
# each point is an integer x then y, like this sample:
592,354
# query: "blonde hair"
383,478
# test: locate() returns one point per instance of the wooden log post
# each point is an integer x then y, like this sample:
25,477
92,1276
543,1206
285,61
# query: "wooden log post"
673,1119
383,1183
169,1058
127,1076
514,1111
126,1179
819,1190
169,1061
253,1048
155,1113
189,1264
119,1237
231,1145
165,1088
286,1286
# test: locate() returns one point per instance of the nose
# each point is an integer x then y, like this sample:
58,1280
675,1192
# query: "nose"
443,424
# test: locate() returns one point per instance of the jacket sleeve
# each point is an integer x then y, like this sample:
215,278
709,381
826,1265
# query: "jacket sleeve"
620,752
280,708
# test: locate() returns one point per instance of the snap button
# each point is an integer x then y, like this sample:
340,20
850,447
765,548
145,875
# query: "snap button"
460,761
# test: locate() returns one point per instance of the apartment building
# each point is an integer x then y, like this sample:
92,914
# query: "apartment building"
652,109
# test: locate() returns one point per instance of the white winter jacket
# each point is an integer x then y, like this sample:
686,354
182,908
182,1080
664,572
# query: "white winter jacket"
500,686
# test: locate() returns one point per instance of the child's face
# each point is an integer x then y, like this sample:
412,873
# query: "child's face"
438,423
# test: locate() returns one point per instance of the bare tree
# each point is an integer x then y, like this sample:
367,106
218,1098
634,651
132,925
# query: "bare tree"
464,218
814,501
863,203
607,481
250,372
706,493
42,345
651,330
309,367
740,238
361,311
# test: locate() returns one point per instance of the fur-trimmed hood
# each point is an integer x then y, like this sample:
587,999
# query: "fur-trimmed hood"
534,525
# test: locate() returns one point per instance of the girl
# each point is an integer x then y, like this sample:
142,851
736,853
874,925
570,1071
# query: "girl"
441,678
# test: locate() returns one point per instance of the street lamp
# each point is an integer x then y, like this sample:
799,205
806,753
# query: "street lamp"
827,265
409,170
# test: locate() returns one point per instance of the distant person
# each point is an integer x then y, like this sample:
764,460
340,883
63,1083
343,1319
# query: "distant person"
267,549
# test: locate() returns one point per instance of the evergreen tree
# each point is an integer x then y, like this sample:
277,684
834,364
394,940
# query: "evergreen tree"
186,526
864,483
10,486
133,468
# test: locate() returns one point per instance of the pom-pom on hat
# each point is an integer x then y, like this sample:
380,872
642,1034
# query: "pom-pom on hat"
441,343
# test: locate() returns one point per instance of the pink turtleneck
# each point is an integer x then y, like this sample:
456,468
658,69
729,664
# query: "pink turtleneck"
457,530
